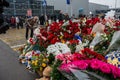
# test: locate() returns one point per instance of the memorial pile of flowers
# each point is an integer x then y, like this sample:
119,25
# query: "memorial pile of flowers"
72,45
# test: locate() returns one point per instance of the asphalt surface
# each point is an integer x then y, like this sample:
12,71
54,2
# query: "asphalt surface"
10,68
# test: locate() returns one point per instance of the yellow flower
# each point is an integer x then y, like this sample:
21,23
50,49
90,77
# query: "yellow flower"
44,60
41,68
47,59
44,65
33,62
61,37
62,41
36,61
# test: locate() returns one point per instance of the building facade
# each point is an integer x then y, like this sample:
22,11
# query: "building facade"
20,7
96,8
75,7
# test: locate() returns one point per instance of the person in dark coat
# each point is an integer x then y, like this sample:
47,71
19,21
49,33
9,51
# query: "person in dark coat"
42,19
3,27
60,16
66,17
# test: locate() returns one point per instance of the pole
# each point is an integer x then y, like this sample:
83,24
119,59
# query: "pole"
71,9
41,8
53,7
115,4
14,1
28,4
45,9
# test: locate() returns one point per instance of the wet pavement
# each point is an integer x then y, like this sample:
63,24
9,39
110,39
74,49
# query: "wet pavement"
10,68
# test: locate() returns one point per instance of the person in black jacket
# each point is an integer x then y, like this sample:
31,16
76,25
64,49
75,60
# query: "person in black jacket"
60,16
3,27
42,20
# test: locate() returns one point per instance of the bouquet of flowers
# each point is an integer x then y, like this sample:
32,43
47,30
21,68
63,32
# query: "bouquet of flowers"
113,58
58,48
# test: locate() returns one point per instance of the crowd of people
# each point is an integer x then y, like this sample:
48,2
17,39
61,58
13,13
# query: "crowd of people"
20,22
44,20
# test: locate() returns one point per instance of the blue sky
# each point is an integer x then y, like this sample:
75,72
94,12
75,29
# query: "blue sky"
110,3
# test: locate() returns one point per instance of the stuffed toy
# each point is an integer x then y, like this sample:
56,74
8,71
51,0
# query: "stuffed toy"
46,73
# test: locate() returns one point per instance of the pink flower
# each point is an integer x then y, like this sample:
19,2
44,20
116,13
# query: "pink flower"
88,61
95,64
81,64
105,68
64,67
60,57
66,58
115,71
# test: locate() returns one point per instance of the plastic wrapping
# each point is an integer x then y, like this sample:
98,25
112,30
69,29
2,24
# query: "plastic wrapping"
79,74
98,27
96,40
115,44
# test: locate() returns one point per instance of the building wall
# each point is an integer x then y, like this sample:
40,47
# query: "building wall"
76,5
20,7
93,7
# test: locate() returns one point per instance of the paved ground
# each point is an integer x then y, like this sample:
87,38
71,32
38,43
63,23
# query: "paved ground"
14,37
10,68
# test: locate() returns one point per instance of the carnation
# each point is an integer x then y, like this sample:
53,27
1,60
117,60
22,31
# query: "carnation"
64,67
104,67
80,64
95,64
115,71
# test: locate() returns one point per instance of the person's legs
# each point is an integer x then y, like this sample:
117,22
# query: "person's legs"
31,34
17,25
27,31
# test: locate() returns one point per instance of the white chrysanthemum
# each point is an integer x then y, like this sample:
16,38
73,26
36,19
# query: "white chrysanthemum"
110,14
79,47
58,48
66,23
75,20
37,31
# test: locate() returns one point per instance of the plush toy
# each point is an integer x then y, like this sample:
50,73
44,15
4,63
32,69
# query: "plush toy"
46,73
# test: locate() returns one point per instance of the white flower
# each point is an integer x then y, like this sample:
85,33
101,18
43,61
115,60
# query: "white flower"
28,55
79,47
75,20
37,31
58,48
61,33
66,23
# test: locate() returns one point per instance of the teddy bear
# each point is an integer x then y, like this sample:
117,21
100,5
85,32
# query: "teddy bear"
46,73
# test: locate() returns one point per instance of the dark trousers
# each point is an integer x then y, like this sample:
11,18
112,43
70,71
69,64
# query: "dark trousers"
27,32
